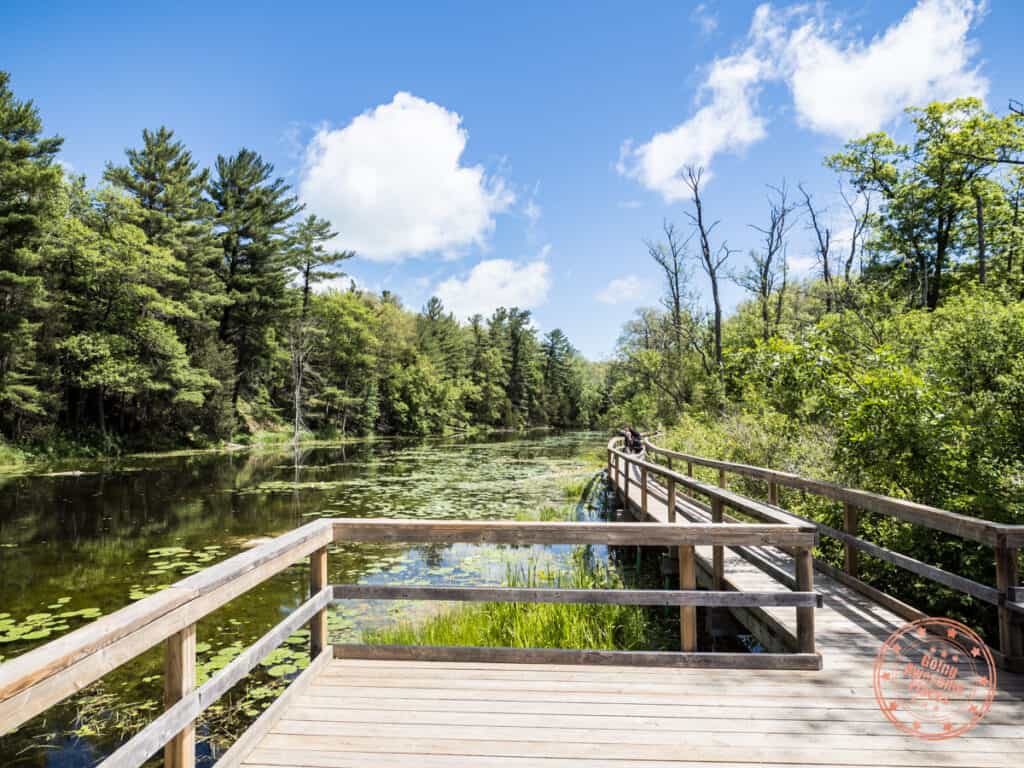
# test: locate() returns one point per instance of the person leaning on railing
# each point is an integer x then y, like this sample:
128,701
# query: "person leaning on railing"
634,442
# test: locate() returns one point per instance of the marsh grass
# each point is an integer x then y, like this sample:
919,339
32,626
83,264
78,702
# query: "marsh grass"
534,625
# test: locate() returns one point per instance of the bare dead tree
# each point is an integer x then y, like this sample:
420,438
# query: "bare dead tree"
766,277
671,256
860,219
711,259
823,245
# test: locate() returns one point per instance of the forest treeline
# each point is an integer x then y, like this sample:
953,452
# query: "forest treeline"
897,365
177,305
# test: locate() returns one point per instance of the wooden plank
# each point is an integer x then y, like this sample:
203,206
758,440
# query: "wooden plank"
803,661
245,743
922,755
184,711
574,596
512,532
179,681
938,575
317,582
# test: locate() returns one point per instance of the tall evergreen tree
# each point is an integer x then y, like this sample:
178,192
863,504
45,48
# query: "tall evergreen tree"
169,187
310,256
30,193
252,208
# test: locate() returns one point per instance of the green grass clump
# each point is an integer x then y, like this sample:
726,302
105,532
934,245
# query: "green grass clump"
534,625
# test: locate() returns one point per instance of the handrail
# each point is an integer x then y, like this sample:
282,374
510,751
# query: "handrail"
964,526
1005,539
35,681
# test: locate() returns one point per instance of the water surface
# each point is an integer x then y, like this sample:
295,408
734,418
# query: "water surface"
77,546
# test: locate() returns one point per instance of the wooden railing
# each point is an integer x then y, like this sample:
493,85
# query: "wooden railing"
1005,540
675,486
32,683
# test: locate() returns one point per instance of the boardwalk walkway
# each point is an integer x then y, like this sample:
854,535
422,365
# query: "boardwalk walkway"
436,707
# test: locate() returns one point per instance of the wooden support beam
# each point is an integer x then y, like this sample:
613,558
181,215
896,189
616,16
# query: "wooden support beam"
626,484
643,491
717,553
687,614
805,616
773,493
317,581
670,504
689,469
1011,633
462,653
179,681
722,482
851,519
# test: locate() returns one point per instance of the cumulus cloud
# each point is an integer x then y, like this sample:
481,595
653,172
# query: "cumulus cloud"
847,88
840,85
623,290
393,183
496,283
727,122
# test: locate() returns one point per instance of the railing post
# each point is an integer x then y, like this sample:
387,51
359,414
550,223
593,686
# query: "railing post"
851,518
721,479
687,613
670,500
717,554
643,491
805,616
689,468
669,461
317,581
179,681
1011,633
773,493
625,485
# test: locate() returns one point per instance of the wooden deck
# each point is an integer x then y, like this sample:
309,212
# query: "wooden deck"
808,701
383,714
378,714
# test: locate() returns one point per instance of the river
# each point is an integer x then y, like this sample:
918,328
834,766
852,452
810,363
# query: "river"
74,546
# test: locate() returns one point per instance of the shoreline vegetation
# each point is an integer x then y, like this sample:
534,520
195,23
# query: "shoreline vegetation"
173,306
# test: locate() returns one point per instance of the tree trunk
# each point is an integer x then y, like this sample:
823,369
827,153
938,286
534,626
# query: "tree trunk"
979,216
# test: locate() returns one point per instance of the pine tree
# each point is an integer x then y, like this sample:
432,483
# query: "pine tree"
252,209
310,257
30,195
169,185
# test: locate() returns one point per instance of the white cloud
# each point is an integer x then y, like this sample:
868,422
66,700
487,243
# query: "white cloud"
848,88
496,283
705,19
532,211
840,85
622,290
728,122
393,184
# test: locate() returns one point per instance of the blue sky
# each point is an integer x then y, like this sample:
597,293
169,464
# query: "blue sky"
513,154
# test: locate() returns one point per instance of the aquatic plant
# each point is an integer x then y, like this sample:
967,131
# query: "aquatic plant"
534,625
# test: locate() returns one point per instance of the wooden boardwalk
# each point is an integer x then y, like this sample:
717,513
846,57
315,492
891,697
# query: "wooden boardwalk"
808,701
384,714
377,714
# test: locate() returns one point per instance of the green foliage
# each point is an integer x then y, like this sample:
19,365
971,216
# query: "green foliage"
535,625
175,306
